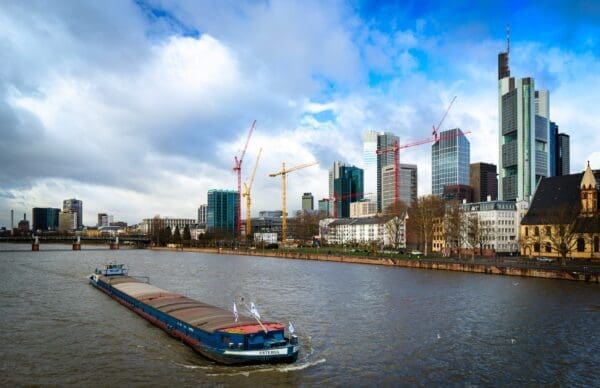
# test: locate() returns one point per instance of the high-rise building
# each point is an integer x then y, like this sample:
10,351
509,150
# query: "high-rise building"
325,206
202,214
450,159
523,136
75,206
67,220
560,163
484,182
102,219
385,141
563,160
408,183
44,218
308,202
347,187
222,214
370,163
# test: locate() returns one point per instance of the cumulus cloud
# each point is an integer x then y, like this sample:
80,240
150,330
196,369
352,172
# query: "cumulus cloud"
139,108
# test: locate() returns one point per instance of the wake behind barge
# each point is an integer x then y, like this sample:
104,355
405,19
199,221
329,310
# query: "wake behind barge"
210,330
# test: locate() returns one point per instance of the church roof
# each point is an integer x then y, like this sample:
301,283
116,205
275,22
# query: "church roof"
557,192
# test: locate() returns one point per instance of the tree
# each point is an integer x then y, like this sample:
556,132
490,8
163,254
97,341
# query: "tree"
177,235
478,233
563,236
305,225
455,226
166,236
156,226
422,217
187,236
395,224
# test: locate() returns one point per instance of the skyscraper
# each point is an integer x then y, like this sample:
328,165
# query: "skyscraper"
408,183
222,214
385,141
202,214
44,218
484,182
75,206
524,122
347,187
308,201
370,163
450,157
563,160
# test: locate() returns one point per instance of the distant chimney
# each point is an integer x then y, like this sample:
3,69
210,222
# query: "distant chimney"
12,219
24,216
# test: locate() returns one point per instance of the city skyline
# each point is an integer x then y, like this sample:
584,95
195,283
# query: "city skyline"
138,109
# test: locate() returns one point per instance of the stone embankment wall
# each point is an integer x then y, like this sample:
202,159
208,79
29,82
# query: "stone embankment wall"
424,264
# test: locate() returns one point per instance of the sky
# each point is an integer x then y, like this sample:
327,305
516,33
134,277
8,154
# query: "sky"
138,108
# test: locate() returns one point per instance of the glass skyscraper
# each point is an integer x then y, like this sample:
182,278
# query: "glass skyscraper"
348,187
221,214
450,159
523,136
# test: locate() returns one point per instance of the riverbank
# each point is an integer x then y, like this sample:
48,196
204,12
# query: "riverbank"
492,267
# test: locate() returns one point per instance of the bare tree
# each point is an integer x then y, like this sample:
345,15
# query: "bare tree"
562,222
478,233
422,216
455,227
395,223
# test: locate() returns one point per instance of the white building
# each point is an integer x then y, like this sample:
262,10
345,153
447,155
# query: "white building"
500,220
361,209
377,230
146,224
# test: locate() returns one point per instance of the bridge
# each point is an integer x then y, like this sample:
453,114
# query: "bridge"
138,241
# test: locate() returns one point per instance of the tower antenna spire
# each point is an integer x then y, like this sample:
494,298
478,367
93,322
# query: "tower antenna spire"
507,38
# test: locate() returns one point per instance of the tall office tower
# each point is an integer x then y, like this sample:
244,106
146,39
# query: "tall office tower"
483,181
347,187
202,214
384,141
102,219
222,215
75,206
523,115
325,206
44,218
12,220
370,164
334,173
563,161
559,152
408,183
450,157
308,202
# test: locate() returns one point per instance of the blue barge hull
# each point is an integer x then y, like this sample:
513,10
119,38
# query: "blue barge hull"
211,331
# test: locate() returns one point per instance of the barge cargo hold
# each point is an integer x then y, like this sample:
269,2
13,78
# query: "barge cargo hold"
211,331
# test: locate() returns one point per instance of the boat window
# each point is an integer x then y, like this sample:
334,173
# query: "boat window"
225,339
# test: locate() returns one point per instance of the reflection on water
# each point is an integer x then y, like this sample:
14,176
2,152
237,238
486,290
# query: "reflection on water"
358,324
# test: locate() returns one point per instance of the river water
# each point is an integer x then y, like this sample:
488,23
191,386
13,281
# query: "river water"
358,324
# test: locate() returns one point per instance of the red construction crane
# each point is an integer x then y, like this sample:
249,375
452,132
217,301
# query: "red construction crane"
237,167
436,129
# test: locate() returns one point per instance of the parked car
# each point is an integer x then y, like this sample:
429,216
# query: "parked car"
543,259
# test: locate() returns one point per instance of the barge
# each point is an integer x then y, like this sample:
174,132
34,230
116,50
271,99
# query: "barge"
216,333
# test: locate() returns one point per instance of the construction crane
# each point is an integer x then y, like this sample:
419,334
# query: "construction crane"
237,167
283,173
437,129
396,147
246,194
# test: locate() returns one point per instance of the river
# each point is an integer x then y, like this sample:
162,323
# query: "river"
358,324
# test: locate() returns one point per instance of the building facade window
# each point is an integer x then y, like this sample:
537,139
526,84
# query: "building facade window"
596,244
536,247
548,231
580,244
548,248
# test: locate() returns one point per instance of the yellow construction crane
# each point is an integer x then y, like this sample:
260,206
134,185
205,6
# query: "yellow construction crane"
283,173
246,193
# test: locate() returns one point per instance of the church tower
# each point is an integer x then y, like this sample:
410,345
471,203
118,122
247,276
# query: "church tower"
589,193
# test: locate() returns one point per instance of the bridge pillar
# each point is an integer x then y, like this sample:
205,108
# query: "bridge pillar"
115,245
77,245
